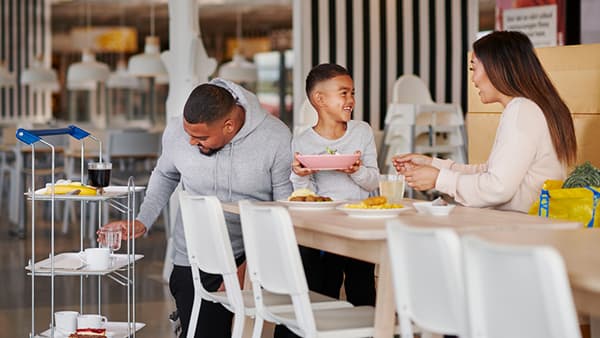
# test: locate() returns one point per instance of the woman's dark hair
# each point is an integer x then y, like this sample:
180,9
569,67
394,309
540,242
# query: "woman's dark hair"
513,68
323,72
208,103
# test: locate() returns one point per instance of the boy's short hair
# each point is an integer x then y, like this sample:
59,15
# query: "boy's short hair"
208,103
323,72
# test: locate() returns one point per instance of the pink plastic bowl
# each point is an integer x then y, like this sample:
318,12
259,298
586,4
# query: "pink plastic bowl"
328,162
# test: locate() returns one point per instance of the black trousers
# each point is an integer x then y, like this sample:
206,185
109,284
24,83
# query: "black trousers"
214,321
325,274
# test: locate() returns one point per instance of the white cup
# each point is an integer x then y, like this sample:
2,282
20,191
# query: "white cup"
66,321
91,322
97,258
392,187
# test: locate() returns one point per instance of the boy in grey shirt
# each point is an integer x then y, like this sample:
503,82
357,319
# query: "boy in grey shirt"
330,90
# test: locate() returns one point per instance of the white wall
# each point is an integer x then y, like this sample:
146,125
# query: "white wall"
590,22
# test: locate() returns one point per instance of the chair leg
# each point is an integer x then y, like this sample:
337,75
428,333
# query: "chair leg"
238,325
258,326
194,317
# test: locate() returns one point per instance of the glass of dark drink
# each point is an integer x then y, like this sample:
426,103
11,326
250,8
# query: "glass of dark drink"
99,174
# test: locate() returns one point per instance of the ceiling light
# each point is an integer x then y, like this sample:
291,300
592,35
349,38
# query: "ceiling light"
238,69
121,78
87,73
38,77
149,63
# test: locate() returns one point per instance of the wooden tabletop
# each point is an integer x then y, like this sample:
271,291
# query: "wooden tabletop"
462,219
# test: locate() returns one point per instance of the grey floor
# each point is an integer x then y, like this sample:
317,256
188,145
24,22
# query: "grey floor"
154,302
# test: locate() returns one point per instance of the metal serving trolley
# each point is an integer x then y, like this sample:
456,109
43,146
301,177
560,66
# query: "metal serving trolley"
122,269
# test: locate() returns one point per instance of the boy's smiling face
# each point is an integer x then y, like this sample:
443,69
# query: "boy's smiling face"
335,98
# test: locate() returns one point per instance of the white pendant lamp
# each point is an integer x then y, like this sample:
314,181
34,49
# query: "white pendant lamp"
238,69
38,77
121,78
149,63
7,79
87,73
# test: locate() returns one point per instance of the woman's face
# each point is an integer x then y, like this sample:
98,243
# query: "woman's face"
487,92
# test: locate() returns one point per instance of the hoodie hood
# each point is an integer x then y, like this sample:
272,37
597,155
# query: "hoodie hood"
255,114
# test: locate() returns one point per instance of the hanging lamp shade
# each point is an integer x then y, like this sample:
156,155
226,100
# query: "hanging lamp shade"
7,79
149,63
121,78
239,70
39,77
88,72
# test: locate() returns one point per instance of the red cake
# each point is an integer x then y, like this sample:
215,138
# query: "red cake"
89,333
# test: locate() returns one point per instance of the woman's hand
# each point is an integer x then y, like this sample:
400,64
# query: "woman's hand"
299,169
355,166
138,228
421,178
406,162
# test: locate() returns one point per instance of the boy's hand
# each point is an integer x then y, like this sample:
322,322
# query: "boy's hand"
299,169
355,166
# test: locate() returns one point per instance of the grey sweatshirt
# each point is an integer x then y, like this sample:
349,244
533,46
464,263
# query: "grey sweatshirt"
334,184
255,165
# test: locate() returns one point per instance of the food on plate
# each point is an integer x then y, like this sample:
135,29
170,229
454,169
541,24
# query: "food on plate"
439,202
376,202
63,187
330,151
307,195
85,333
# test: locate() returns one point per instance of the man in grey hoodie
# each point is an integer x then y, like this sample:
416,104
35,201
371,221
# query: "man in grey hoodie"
225,145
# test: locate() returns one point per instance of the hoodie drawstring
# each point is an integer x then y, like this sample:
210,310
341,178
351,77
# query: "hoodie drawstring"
215,173
230,171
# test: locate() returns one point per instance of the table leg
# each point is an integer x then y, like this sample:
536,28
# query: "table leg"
594,327
384,306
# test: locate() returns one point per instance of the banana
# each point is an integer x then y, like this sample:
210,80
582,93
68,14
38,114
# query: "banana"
74,188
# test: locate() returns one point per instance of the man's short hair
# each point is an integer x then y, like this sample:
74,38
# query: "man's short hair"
323,72
208,103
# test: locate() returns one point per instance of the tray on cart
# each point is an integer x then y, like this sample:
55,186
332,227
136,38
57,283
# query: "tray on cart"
70,263
113,330
115,191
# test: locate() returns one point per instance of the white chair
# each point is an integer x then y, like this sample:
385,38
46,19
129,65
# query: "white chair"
517,291
274,264
209,249
428,281
414,123
307,117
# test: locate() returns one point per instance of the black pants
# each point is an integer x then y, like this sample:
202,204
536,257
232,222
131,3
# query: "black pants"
214,320
325,274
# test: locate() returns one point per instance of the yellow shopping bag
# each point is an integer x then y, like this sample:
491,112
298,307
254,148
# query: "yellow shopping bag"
575,204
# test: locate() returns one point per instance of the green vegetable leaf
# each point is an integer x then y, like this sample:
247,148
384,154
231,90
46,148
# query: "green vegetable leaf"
330,151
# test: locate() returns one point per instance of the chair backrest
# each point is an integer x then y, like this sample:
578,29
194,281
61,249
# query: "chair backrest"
206,234
517,291
411,89
132,143
427,276
273,259
307,117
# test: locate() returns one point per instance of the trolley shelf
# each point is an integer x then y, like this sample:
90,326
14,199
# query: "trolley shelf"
72,264
113,330
111,192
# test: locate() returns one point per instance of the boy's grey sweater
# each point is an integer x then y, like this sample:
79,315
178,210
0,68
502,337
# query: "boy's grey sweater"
255,165
338,185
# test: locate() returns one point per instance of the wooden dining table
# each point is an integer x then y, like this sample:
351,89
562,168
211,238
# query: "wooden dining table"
366,239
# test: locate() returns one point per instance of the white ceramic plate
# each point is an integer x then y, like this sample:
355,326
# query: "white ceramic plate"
311,205
373,213
64,261
436,210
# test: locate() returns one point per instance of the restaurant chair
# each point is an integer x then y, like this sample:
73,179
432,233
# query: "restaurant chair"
209,249
428,281
517,291
274,265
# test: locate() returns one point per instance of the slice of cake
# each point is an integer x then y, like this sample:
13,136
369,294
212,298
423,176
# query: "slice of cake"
89,333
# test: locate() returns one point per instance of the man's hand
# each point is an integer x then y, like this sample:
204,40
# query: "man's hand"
299,169
138,229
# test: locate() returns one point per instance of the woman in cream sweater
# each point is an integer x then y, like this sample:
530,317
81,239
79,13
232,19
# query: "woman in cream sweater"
535,139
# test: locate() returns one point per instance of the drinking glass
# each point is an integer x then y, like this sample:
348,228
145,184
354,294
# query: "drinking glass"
99,174
111,239
392,187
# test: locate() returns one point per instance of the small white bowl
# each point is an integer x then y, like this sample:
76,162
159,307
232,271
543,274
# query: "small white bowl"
434,210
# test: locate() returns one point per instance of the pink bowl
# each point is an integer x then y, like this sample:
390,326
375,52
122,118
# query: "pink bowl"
328,162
